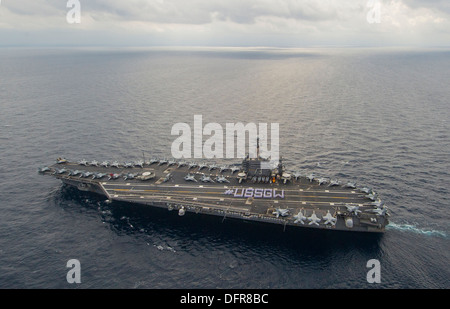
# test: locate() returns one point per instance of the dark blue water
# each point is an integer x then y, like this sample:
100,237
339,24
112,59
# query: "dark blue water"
376,116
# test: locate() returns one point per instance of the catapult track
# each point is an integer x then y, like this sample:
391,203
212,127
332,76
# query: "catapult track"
299,202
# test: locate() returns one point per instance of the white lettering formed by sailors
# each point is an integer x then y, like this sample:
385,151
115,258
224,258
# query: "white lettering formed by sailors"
255,193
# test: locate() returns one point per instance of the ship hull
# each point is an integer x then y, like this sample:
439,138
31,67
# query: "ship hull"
298,202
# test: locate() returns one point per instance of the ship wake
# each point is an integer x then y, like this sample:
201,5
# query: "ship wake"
417,230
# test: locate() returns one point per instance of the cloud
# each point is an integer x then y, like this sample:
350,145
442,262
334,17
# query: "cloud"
435,5
210,22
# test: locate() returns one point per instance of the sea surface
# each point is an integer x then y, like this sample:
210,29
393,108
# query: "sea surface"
378,116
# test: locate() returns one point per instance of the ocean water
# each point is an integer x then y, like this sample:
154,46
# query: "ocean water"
379,117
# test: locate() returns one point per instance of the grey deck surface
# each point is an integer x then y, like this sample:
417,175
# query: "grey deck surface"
245,200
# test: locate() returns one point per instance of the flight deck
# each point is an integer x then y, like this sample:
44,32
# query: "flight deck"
230,191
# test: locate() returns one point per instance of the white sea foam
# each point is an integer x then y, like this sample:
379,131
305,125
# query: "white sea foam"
417,230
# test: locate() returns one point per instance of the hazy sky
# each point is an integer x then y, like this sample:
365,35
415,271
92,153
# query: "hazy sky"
296,23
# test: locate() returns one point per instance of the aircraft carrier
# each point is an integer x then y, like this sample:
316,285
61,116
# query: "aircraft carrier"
248,191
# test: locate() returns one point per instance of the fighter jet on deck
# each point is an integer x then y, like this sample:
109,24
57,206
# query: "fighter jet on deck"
114,176
322,180
43,169
115,164
234,169
192,165
153,160
329,219
300,218
128,164
334,182
190,177
83,162
351,185
129,176
139,163
205,178
297,175
280,212
314,219
222,179
202,165
353,209
167,178
98,175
